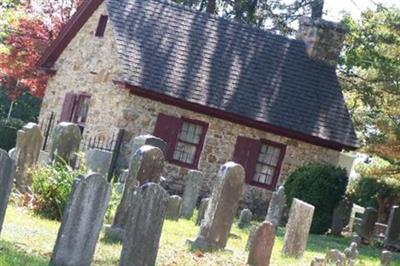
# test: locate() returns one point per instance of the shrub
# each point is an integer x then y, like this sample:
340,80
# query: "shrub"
8,132
321,185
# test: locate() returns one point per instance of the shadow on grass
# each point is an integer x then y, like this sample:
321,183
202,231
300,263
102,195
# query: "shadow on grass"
10,254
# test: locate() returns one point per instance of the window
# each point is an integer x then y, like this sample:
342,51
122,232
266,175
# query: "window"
262,160
184,137
101,26
75,108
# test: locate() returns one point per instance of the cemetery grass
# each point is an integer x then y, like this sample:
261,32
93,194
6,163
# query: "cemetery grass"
28,240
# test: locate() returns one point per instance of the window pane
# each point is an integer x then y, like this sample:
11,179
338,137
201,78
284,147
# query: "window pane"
190,133
184,152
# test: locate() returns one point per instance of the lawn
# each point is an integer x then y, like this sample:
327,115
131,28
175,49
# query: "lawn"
28,240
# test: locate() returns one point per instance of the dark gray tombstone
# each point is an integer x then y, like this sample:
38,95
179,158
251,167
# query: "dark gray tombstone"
276,206
298,228
7,173
202,210
221,210
261,245
194,179
245,218
143,230
65,143
174,207
82,221
151,140
146,166
27,150
367,225
340,213
392,234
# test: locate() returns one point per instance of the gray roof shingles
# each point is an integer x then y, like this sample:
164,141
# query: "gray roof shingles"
175,51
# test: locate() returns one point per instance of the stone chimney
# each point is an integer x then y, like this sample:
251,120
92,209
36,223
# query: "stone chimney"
323,39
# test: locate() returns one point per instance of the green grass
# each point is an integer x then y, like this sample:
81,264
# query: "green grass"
28,240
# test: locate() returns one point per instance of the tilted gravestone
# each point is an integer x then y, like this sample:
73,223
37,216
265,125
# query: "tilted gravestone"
65,143
298,228
143,230
261,245
174,207
215,227
27,151
276,206
82,221
194,180
202,210
7,173
151,140
146,165
367,226
392,234
98,161
245,218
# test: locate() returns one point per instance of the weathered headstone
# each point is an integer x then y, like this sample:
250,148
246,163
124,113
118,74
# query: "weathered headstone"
82,221
245,218
215,227
202,210
339,216
143,230
298,228
7,173
27,150
317,261
174,207
367,226
351,253
392,234
252,232
386,258
98,161
65,143
276,206
194,179
336,257
146,166
261,245
151,140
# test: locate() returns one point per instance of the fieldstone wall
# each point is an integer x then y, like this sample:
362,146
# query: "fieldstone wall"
90,64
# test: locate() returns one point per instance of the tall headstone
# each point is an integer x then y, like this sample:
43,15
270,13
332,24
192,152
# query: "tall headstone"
65,143
276,205
245,218
252,232
146,166
143,230
298,228
7,173
261,245
194,180
392,234
340,213
174,207
27,150
202,210
82,221
151,140
367,226
98,161
222,207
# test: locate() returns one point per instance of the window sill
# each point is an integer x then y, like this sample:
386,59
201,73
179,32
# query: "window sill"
271,188
193,166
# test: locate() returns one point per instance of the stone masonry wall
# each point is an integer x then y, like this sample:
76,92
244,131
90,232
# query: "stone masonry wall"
90,64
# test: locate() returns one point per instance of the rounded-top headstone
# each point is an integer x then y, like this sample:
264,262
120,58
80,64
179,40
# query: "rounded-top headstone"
174,207
65,143
194,180
245,218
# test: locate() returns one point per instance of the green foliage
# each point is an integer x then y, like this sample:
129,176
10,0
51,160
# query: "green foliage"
321,185
116,196
51,187
8,132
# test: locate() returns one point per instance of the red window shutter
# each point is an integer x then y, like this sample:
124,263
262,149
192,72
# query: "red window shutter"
101,26
167,128
246,153
68,107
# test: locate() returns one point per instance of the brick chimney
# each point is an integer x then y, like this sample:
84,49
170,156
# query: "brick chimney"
323,39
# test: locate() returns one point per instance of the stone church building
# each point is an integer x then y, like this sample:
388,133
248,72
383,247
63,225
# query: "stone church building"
215,90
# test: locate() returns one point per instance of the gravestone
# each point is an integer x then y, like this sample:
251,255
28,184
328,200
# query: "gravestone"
317,261
367,226
146,166
261,245
202,210
98,161
27,149
356,239
386,258
174,207
151,140
392,234
194,179
339,216
82,221
276,206
351,252
245,218
250,236
123,176
335,257
65,143
143,230
7,173
298,228
215,227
